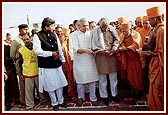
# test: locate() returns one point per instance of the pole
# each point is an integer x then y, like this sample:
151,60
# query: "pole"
27,19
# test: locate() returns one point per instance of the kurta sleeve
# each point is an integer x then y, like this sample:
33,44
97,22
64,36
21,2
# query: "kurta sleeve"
37,48
13,49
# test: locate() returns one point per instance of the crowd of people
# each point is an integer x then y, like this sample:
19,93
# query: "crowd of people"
68,62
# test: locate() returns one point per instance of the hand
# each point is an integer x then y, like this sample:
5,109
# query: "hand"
55,55
22,77
112,52
149,53
100,51
89,51
5,76
123,48
109,53
63,65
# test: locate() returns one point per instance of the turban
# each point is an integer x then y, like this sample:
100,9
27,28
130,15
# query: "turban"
126,25
21,26
145,18
121,20
139,19
8,35
153,12
66,31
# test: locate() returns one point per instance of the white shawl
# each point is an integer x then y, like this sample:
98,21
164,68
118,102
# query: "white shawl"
98,40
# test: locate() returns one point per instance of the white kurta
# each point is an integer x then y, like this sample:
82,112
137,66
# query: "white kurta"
84,64
50,79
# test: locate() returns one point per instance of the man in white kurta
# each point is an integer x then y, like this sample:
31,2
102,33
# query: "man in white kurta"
85,71
51,77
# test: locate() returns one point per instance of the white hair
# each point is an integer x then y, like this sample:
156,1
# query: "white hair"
82,20
104,21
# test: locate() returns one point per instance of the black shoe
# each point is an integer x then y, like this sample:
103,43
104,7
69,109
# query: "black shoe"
17,101
36,100
7,108
55,108
106,101
62,105
139,94
115,99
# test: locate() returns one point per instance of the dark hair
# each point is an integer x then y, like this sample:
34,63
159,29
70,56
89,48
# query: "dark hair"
21,26
58,26
159,18
71,25
47,22
92,22
74,22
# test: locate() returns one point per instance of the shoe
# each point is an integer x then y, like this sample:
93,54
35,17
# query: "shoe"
95,103
139,94
62,105
43,101
55,108
106,101
17,101
74,99
115,99
79,102
36,100
87,103
7,108
22,102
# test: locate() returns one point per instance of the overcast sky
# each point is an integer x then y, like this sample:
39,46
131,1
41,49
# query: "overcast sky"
65,13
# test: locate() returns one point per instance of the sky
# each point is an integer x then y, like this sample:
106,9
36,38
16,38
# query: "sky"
65,13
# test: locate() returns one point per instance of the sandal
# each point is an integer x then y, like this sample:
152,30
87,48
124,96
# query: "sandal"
79,102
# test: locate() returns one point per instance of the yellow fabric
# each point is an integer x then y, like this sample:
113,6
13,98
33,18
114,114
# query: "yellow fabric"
153,12
30,63
65,31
